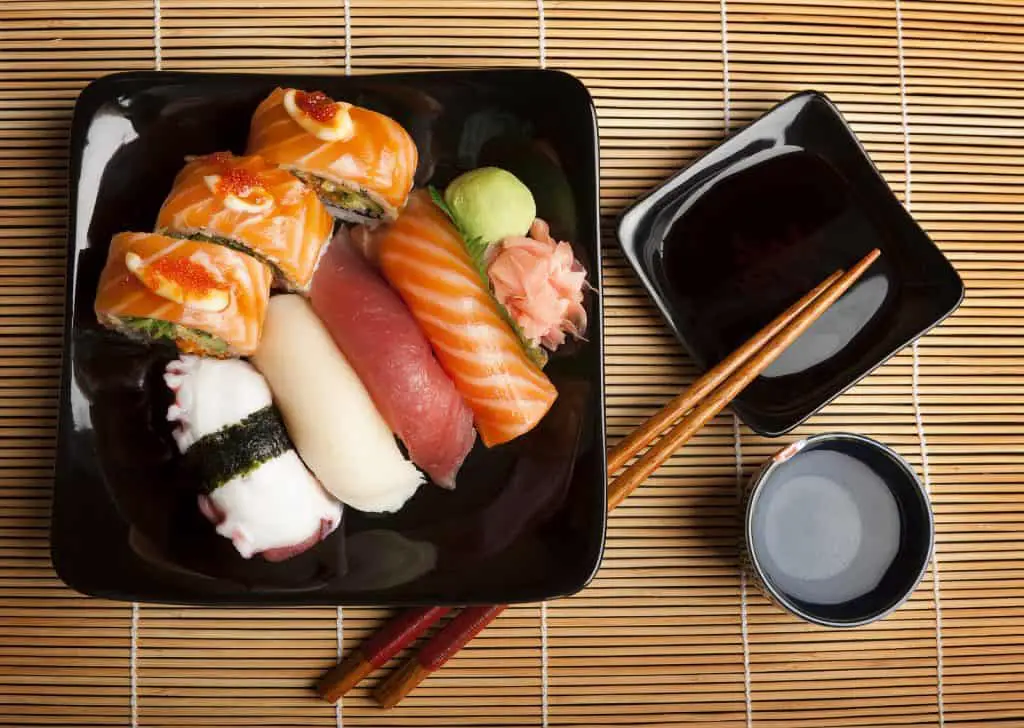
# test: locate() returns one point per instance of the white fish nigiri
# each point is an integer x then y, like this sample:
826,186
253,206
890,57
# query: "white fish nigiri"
260,495
328,412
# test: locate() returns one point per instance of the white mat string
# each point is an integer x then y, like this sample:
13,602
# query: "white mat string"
726,98
737,442
915,380
339,616
744,624
339,635
348,37
542,51
158,60
544,664
541,35
133,665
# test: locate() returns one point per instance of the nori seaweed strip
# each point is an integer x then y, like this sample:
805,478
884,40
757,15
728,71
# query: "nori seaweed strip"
231,244
144,329
238,449
342,197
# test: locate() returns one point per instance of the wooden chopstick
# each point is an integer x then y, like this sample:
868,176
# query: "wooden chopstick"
681,403
732,385
704,399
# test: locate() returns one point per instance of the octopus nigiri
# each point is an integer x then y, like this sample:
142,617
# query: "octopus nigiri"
207,298
425,259
360,162
250,204
257,492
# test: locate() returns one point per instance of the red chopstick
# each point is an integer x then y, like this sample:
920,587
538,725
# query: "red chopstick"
466,625
385,643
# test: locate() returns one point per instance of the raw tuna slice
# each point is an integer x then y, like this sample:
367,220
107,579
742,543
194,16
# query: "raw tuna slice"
384,344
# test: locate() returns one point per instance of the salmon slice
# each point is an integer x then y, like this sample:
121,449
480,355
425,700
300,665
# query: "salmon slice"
374,157
171,270
252,204
424,259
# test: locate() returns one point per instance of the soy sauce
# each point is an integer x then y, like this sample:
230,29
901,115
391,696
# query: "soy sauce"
754,241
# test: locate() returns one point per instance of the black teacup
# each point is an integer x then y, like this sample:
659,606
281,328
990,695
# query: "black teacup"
838,529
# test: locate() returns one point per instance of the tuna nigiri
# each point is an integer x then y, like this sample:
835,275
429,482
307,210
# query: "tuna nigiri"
371,326
247,203
425,260
206,298
360,162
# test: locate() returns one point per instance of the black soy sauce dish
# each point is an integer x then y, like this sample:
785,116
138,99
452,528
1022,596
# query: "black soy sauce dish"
527,519
838,530
729,242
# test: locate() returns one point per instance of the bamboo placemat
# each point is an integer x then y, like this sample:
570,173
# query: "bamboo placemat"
667,633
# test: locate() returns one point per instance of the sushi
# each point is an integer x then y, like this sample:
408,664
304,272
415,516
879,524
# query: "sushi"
360,162
371,324
206,298
255,488
535,278
328,412
254,206
425,259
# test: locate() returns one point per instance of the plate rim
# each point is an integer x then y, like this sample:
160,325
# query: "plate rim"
638,210
86,104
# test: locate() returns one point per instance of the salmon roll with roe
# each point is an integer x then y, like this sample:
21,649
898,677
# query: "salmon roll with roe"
254,206
206,298
360,162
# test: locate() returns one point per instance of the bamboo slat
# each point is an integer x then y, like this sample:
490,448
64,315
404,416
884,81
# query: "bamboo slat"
668,633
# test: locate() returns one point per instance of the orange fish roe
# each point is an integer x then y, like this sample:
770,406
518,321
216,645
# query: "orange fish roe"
191,276
317,105
219,158
238,182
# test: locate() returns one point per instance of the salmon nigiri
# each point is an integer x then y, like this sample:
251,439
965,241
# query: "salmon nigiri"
207,298
362,163
249,203
424,258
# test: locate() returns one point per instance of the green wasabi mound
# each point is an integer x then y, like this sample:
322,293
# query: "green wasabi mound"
490,204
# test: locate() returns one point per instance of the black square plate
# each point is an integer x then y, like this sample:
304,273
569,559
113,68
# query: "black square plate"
527,519
731,241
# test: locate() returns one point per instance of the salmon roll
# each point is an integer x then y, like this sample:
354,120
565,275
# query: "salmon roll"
206,298
360,162
254,206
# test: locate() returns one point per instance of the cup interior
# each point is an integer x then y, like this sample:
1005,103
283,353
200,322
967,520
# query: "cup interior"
915,534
